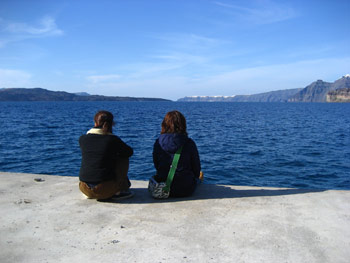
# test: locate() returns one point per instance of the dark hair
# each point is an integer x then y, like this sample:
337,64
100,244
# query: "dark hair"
174,122
104,120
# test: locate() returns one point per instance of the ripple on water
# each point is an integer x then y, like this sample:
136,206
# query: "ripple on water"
265,144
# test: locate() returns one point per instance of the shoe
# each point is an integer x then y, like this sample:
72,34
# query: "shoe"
123,195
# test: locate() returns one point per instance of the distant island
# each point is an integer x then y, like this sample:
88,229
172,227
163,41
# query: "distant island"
318,91
39,94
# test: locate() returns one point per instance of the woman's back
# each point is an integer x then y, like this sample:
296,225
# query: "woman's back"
188,168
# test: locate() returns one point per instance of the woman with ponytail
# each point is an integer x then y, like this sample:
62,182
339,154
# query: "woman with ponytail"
105,161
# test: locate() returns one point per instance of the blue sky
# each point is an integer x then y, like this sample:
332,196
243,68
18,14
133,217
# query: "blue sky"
172,48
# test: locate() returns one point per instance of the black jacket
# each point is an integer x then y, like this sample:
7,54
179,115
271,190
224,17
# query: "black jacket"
99,154
188,169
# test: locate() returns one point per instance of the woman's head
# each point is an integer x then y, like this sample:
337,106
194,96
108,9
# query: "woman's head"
174,122
104,120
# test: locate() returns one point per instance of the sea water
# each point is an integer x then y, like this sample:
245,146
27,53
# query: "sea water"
303,145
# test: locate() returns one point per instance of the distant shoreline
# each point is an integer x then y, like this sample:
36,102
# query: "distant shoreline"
318,91
39,94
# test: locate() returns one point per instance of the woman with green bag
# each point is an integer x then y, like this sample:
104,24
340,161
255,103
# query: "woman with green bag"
174,141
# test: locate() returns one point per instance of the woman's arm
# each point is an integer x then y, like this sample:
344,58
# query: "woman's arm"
123,150
195,160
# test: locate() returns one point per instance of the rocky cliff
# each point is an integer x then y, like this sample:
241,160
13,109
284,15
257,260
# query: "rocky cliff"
339,95
315,92
318,90
272,96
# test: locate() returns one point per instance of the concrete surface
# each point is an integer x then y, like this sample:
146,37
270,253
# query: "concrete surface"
51,221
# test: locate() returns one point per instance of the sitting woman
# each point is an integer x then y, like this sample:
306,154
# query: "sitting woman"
174,136
105,161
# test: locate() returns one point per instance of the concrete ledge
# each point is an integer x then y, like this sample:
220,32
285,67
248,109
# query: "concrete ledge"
51,221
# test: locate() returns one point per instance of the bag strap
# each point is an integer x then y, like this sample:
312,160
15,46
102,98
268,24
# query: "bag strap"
172,170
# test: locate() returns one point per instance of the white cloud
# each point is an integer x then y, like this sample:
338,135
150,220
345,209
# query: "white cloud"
181,52
239,82
14,78
273,77
103,78
191,42
47,26
16,31
157,87
263,12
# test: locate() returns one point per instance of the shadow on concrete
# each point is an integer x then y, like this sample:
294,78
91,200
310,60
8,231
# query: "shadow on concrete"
204,192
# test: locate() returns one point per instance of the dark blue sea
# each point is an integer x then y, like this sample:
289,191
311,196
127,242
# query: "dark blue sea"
302,145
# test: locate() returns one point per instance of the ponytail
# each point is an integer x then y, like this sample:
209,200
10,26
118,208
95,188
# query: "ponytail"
104,121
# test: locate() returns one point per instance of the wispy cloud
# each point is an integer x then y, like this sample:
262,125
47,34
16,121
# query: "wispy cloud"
18,31
262,12
250,80
178,52
173,59
14,78
182,51
187,41
103,78
180,56
47,26
274,77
